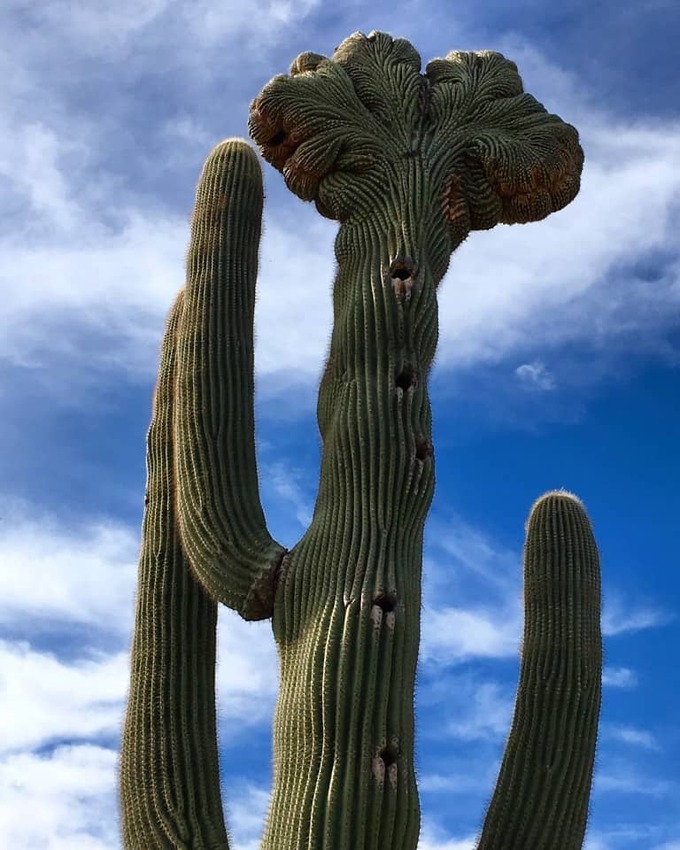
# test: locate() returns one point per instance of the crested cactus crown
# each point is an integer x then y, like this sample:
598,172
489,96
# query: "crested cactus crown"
337,127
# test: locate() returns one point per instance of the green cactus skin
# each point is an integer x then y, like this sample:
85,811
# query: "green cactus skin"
169,774
409,164
541,798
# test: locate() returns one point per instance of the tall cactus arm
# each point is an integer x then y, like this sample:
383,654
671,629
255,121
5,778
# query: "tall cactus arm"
169,773
221,519
541,798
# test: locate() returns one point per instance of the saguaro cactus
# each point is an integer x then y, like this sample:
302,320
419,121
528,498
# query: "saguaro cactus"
408,163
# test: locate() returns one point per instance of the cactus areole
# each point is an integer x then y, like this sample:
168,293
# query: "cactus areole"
408,164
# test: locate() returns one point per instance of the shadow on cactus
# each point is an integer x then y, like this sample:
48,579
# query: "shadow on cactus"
409,164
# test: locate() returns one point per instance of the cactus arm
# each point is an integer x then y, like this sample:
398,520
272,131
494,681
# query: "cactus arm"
169,773
220,516
541,797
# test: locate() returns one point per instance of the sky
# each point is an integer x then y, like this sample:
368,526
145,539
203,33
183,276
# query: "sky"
558,366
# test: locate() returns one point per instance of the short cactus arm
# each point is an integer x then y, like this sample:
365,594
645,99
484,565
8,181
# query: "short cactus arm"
169,772
541,798
221,519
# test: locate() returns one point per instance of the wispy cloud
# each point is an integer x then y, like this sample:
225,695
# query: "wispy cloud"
246,809
620,617
473,551
635,737
619,677
56,573
454,783
535,376
453,635
286,482
625,779
596,843
464,562
436,839
64,799
46,699
475,709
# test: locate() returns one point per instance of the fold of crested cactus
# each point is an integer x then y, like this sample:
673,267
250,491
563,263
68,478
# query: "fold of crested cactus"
541,798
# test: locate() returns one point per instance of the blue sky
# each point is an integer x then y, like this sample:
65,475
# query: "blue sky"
558,366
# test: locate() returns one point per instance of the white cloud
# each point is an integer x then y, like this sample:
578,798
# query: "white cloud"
619,677
635,737
60,577
63,800
234,19
627,780
45,699
112,30
246,810
59,574
535,376
454,783
56,578
488,715
433,838
619,617
247,674
471,710
452,635
107,29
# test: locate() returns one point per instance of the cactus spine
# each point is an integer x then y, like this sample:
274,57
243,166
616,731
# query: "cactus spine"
408,163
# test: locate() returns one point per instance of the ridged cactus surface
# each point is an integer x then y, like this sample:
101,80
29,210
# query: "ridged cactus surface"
408,163
170,789
541,798
218,503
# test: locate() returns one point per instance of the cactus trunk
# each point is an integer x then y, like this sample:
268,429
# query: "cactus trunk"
347,618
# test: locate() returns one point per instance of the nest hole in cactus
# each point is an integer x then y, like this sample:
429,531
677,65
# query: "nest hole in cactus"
387,601
278,138
389,754
423,448
406,377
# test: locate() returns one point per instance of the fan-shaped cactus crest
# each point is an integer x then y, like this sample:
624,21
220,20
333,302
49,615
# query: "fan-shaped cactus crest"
408,163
